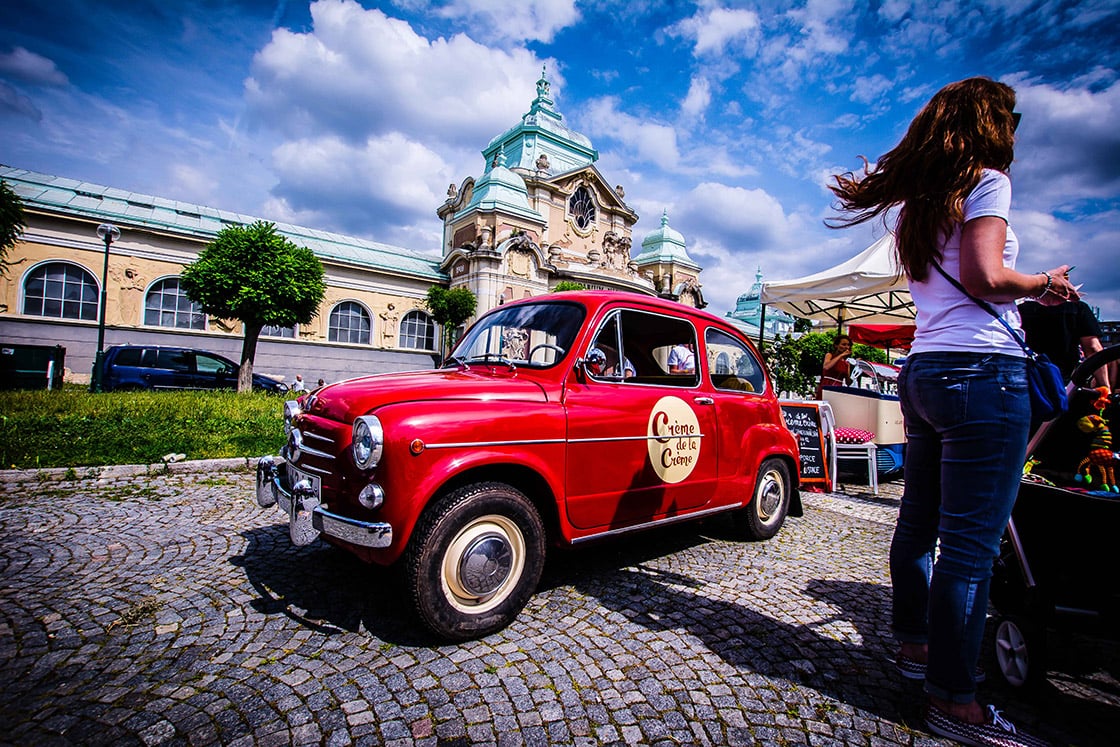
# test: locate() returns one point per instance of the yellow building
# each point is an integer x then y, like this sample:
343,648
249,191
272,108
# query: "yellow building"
541,213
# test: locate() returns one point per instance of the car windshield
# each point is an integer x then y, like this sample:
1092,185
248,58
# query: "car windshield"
538,335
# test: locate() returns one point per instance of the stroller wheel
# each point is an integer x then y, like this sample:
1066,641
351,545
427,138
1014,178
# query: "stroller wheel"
1020,652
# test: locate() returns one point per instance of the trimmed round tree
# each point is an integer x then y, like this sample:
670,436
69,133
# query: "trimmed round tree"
450,308
11,223
258,277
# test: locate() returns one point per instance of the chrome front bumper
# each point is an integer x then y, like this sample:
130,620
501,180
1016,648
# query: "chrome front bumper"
307,518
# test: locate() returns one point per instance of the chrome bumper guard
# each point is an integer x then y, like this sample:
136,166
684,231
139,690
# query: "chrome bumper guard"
306,517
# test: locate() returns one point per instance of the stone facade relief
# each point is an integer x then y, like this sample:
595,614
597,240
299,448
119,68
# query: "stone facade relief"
616,251
520,263
130,284
390,318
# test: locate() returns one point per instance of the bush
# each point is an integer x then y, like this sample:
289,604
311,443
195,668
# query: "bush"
73,428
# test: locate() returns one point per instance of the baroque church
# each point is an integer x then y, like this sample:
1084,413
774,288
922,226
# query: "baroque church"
540,214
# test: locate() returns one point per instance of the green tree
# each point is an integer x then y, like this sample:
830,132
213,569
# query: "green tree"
450,308
795,363
568,285
12,222
258,277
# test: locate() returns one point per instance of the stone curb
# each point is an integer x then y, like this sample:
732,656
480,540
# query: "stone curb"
125,470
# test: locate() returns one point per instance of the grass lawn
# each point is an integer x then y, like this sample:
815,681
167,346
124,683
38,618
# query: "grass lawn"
73,428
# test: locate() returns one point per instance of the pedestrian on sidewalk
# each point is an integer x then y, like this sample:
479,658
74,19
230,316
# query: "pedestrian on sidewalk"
963,388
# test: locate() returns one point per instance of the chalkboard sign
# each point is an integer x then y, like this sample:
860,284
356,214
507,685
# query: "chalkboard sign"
804,421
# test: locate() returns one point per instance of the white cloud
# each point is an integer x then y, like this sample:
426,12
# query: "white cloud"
712,30
14,102
698,98
193,183
647,141
23,65
526,20
1068,147
359,72
734,216
867,90
391,177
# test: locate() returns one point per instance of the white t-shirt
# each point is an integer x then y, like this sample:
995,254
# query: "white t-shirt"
682,358
947,320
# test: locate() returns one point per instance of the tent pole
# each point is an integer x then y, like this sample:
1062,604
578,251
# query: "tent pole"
761,325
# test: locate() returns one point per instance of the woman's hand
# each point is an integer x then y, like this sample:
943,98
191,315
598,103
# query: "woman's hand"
1060,289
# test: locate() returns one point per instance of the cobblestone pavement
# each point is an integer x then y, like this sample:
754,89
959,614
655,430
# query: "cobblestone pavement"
170,609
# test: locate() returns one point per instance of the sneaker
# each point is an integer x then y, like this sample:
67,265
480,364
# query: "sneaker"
995,732
912,669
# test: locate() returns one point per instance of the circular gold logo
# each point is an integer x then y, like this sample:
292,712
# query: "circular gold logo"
673,439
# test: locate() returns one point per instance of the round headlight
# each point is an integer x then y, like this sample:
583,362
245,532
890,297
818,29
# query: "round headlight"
369,440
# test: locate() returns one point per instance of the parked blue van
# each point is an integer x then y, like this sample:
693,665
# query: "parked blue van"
134,367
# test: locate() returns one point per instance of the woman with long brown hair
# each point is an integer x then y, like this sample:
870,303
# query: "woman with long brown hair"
963,387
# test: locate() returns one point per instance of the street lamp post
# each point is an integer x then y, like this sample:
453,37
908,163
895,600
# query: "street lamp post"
108,233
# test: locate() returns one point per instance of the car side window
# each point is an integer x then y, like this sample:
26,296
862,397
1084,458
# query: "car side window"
175,360
607,362
128,357
210,365
734,366
636,347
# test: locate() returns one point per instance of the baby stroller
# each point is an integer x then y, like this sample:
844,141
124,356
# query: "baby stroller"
1062,533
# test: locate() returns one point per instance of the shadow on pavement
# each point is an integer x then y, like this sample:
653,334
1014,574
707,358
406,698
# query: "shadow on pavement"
753,642
325,589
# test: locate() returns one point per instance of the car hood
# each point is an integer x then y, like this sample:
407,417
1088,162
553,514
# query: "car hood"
348,399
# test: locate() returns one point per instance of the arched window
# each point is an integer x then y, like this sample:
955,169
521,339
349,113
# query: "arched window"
581,207
60,290
418,331
349,323
167,305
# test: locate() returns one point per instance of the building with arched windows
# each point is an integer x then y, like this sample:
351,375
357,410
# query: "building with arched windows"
540,213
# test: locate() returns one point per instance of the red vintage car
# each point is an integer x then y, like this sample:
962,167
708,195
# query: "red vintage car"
558,419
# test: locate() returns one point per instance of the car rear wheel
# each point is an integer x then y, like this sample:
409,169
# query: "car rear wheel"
764,515
474,560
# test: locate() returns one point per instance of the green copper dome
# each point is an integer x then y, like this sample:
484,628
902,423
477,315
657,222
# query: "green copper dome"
665,245
502,190
542,142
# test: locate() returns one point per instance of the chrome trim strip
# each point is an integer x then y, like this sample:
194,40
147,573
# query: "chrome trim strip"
306,434
315,452
466,444
308,468
655,523
629,438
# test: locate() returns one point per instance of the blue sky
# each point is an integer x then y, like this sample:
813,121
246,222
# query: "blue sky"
731,116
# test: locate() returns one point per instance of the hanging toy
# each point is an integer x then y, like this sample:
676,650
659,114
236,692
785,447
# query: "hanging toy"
1101,456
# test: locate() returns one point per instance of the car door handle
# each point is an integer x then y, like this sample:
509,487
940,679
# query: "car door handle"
703,400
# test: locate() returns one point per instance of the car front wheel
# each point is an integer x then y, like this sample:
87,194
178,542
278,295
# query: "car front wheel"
764,515
474,560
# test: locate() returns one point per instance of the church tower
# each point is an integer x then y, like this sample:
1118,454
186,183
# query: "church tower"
541,213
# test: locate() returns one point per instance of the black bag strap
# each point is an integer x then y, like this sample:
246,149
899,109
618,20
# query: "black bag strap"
988,308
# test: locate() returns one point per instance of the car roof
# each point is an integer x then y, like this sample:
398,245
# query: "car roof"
594,300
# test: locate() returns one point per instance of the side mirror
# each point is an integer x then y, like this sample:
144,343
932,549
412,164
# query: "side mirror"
593,363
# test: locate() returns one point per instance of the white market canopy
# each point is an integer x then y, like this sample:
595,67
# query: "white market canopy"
869,288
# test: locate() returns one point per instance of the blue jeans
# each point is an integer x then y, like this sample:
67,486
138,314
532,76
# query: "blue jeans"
967,417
